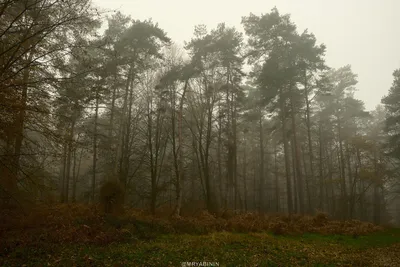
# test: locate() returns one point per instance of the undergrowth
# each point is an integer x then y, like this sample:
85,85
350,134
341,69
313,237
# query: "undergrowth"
76,223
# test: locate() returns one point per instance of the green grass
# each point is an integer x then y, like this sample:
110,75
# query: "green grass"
378,239
229,249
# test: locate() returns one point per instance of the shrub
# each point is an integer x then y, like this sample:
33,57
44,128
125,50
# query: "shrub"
279,228
321,219
112,197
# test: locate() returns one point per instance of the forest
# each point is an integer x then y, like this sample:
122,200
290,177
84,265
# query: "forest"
98,109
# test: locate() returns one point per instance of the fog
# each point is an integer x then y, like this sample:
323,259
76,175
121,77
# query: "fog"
365,34
199,133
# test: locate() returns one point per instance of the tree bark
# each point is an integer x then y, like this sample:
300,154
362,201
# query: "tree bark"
286,152
377,181
321,170
68,171
63,172
178,150
277,197
299,174
234,151
343,174
223,199
95,147
262,182
310,149
245,172
118,167
19,126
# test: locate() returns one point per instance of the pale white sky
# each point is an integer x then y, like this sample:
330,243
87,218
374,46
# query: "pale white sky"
363,33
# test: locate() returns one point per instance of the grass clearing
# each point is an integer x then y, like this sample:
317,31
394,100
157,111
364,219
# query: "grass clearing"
229,249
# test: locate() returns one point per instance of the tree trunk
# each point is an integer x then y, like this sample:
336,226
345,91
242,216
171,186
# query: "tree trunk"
111,129
126,153
331,183
255,191
234,151
219,160
19,126
299,174
153,168
210,203
310,150
295,184
321,171
63,172
377,198
73,197
360,188
75,171
121,135
68,171
178,151
229,156
95,147
286,152
307,182
343,175
245,172
262,182
276,180
351,182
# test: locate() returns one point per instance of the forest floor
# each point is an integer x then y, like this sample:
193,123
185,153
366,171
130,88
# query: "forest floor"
81,236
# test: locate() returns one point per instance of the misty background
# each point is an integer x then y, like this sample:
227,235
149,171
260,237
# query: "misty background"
364,34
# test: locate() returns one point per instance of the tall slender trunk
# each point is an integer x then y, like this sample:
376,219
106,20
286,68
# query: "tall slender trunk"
210,203
74,171
77,175
68,171
73,197
299,174
178,150
321,170
205,124
96,115
276,179
307,182
245,172
343,174
255,191
262,182
63,171
351,182
126,153
286,152
377,198
234,150
194,172
295,184
19,126
121,133
310,149
153,167
360,188
331,182
229,157
219,160
111,129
